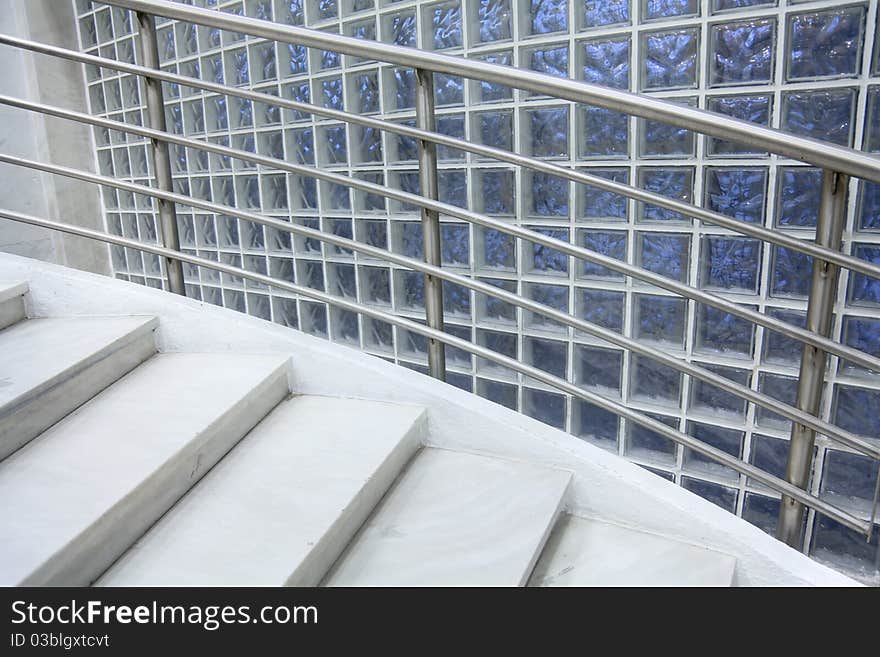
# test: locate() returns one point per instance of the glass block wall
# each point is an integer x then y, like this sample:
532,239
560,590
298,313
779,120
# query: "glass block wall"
809,67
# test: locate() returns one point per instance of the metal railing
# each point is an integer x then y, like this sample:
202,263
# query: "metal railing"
837,164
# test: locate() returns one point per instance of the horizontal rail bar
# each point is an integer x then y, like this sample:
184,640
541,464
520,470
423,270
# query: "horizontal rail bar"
539,375
743,392
629,191
818,153
848,353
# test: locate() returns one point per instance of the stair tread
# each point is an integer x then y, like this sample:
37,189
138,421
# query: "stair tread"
583,552
36,353
257,516
80,470
456,518
11,289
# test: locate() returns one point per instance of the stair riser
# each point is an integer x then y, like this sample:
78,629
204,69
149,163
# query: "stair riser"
84,559
11,311
45,407
316,565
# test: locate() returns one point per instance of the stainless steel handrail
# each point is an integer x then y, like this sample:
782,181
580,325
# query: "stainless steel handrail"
821,154
743,392
612,406
628,191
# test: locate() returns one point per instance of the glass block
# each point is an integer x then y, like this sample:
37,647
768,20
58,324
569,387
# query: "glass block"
647,444
731,263
284,312
737,193
677,184
375,285
337,197
237,67
857,410
597,204
844,548
549,195
547,407
755,109
798,196
723,5
548,16
825,44
500,393
544,259
826,115
872,123
494,310
495,189
369,145
404,87
869,205
446,25
863,333
595,424
401,28
456,303
653,382
491,91
365,30
301,93
303,193
550,356
451,126
552,296
659,319
716,493
378,335
665,254
335,151
326,9
493,19
409,290
712,401
769,454
670,59
331,94
726,440
742,53
495,129
601,307
605,133
660,139
373,232
313,318
606,62
297,59
780,348
722,332
448,90
549,59
608,243
761,511
792,272
598,13
455,244
782,388
370,201
668,8
345,326
863,289
849,480
598,369
497,250
453,187
264,67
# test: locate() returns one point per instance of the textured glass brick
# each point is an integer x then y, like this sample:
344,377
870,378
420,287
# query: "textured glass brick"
677,183
453,187
716,493
264,63
410,243
601,204
862,333
375,285
864,289
605,133
367,93
849,479
498,249
455,244
446,25
496,129
644,443
722,332
553,296
742,53
301,93
404,85
826,115
402,28
837,545
670,59
548,16
550,60
651,381
548,355
331,93
336,150
726,440
663,139
544,259
872,122
798,194
731,263
451,126
722,5
669,8
769,454
237,67
297,59
606,62
792,272
495,310
711,400
869,205
496,191
598,13
448,90
500,393
598,369
494,20
665,254
410,290
595,424
737,193
548,407
782,388
326,9
491,91
549,195
456,301
659,319
608,243
755,109
780,348
857,410
601,307
369,144
825,44
365,30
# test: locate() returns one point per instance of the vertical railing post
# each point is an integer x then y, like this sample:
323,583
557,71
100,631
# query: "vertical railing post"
168,232
820,310
425,120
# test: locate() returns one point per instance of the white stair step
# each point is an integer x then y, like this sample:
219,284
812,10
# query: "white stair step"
284,503
48,367
584,552
456,519
81,493
11,302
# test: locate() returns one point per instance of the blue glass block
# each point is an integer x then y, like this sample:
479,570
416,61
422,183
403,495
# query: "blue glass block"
365,31
446,25
872,127
779,387
648,444
599,369
611,244
303,146
496,190
548,16
600,204
605,12
553,296
448,90
409,182
404,88
862,333
606,133
731,263
549,132
792,272
331,94
668,8
265,69
596,425
722,5
330,59
339,197
456,301
849,478
546,407
660,319
407,147
799,190
494,20
545,259
301,93
327,9
664,139
549,195
858,410
665,254
343,281
166,45
370,201
403,29
297,59
375,233
215,68
412,293
451,126
370,144
367,92
261,9
825,44
742,53
719,331
655,382
196,116
781,348
716,493
737,193
336,149
376,285
496,310
838,545
455,244
726,440
607,63
826,115
491,91
675,183
601,307
550,60
411,242
769,454
670,59
748,108
361,5
453,188
240,72
863,289
499,249
345,327
500,393
869,205
496,129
